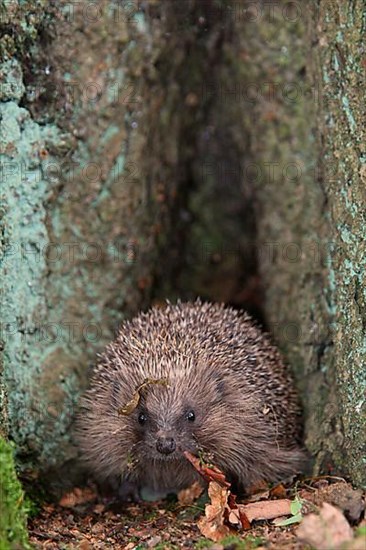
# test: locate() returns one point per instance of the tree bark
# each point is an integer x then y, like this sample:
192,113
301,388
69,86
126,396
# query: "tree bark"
304,74
92,111
340,428
166,149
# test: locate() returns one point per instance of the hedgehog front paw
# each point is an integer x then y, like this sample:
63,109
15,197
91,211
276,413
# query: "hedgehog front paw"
128,491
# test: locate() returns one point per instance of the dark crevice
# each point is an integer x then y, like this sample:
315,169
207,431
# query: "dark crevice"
211,250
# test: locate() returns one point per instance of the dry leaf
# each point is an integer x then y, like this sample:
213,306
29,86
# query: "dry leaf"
327,531
209,473
234,518
77,496
239,512
343,496
278,491
212,524
223,516
266,509
189,495
131,405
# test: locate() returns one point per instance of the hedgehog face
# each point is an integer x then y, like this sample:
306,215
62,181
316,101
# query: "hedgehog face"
164,430
169,421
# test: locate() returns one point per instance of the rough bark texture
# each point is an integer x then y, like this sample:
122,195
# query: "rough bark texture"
93,110
181,148
279,114
340,74
303,76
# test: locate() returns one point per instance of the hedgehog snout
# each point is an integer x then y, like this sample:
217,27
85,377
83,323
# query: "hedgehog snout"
166,445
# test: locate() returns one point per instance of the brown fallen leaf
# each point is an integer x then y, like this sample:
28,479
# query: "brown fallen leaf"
209,473
212,525
343,496
327,531
77,496
358,543
131,405
266,509
189,495
239,512
223,515
278,491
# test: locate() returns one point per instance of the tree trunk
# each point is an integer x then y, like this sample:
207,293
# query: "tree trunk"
304,111
93,110
339,429
175,149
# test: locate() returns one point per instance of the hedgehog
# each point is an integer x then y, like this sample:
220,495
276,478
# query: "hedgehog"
219,390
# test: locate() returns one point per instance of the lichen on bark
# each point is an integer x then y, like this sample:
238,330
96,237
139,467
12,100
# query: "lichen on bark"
87,196
339,29
184,148
304,112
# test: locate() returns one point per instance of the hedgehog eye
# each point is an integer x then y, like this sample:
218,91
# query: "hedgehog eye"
190,416
142,418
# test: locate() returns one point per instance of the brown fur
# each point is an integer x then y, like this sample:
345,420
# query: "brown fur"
218,364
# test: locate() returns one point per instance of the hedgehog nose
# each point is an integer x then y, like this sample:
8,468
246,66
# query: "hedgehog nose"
165,445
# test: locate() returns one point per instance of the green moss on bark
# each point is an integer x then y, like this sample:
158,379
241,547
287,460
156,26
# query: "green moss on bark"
13,512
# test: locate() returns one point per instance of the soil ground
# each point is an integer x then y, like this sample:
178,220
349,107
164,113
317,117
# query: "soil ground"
82,520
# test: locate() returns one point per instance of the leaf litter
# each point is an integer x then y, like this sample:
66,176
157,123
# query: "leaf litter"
321,513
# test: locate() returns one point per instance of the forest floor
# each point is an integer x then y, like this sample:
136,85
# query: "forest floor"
84,521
